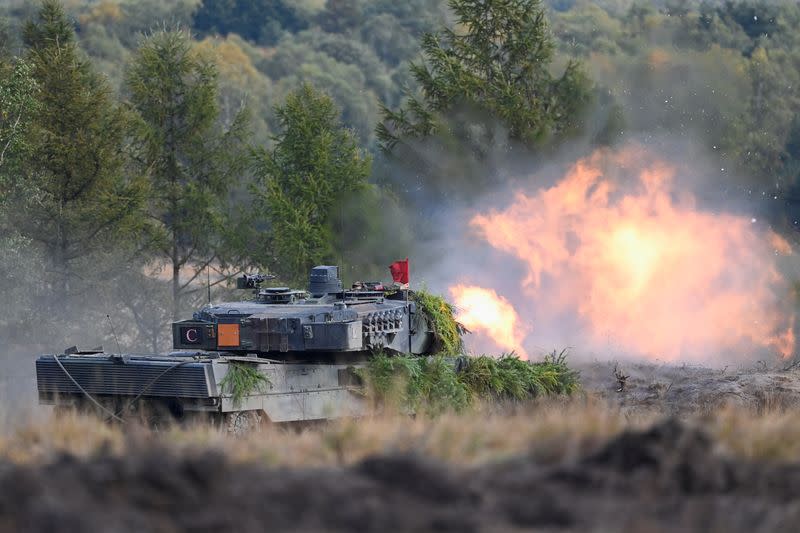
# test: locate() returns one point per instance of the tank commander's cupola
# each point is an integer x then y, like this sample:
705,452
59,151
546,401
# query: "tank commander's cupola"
324,280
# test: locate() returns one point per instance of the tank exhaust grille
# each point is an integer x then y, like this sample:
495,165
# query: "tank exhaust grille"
99,376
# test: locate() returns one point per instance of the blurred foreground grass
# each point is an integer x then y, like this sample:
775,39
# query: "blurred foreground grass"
552,431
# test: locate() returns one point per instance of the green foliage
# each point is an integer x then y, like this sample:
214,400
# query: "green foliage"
433,385
439,388
191,159
496,60
18,103
417,384
261,21
315,164
329,63
510,377
341,15
440,316
73,196
392,379
241,380
483,376
51,31
384,35
366,217
393,29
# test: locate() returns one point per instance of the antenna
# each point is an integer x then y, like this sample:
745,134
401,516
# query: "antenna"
208,283
119,350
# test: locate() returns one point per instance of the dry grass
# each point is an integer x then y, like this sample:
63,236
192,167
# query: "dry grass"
763,436
551,431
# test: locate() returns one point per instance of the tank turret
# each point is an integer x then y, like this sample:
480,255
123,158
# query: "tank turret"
324,321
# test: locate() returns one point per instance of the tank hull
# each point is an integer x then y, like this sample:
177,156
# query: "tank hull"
291,392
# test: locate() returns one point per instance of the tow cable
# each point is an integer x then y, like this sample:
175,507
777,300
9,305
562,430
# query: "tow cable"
112,414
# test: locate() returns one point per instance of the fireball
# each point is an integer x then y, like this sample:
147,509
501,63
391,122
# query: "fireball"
622,254
482,310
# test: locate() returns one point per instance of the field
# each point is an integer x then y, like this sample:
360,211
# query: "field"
677,449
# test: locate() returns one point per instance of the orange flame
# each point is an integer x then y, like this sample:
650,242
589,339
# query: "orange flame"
620,248
482,310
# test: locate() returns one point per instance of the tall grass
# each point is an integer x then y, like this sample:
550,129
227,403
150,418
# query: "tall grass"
551,430
510,377
437,384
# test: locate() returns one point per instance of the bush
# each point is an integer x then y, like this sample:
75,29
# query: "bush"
243,380
432,385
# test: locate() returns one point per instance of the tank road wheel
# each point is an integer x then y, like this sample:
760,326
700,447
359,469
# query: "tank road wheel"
241,423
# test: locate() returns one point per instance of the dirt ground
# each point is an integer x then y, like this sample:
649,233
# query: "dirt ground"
672,476
686,389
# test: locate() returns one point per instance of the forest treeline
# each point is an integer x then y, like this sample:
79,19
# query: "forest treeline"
150,147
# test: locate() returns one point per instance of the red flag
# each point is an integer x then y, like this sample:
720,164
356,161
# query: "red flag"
400,271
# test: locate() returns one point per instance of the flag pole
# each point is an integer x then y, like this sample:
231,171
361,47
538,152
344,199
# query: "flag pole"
401,276
408,306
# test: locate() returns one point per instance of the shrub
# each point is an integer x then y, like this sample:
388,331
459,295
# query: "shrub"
243,380
435,384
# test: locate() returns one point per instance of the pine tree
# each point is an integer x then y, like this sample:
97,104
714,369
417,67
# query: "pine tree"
192,161
496,61
315,163
18,104
71,196
262,21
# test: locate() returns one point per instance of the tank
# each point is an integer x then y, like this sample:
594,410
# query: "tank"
282,355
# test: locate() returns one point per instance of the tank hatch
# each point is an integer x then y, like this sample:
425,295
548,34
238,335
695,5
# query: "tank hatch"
280,295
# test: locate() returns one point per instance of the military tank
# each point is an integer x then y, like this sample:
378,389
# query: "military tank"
283,355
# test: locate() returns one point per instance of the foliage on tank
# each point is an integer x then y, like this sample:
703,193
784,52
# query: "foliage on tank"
437,384
440,316
243,380
510,377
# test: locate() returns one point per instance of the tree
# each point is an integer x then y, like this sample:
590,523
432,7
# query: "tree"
192,160
321,60
18,90
340,16
497,60
18,104
314,165
261,21
71,195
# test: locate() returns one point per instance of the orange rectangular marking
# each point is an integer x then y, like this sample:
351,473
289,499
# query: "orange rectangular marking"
227,335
